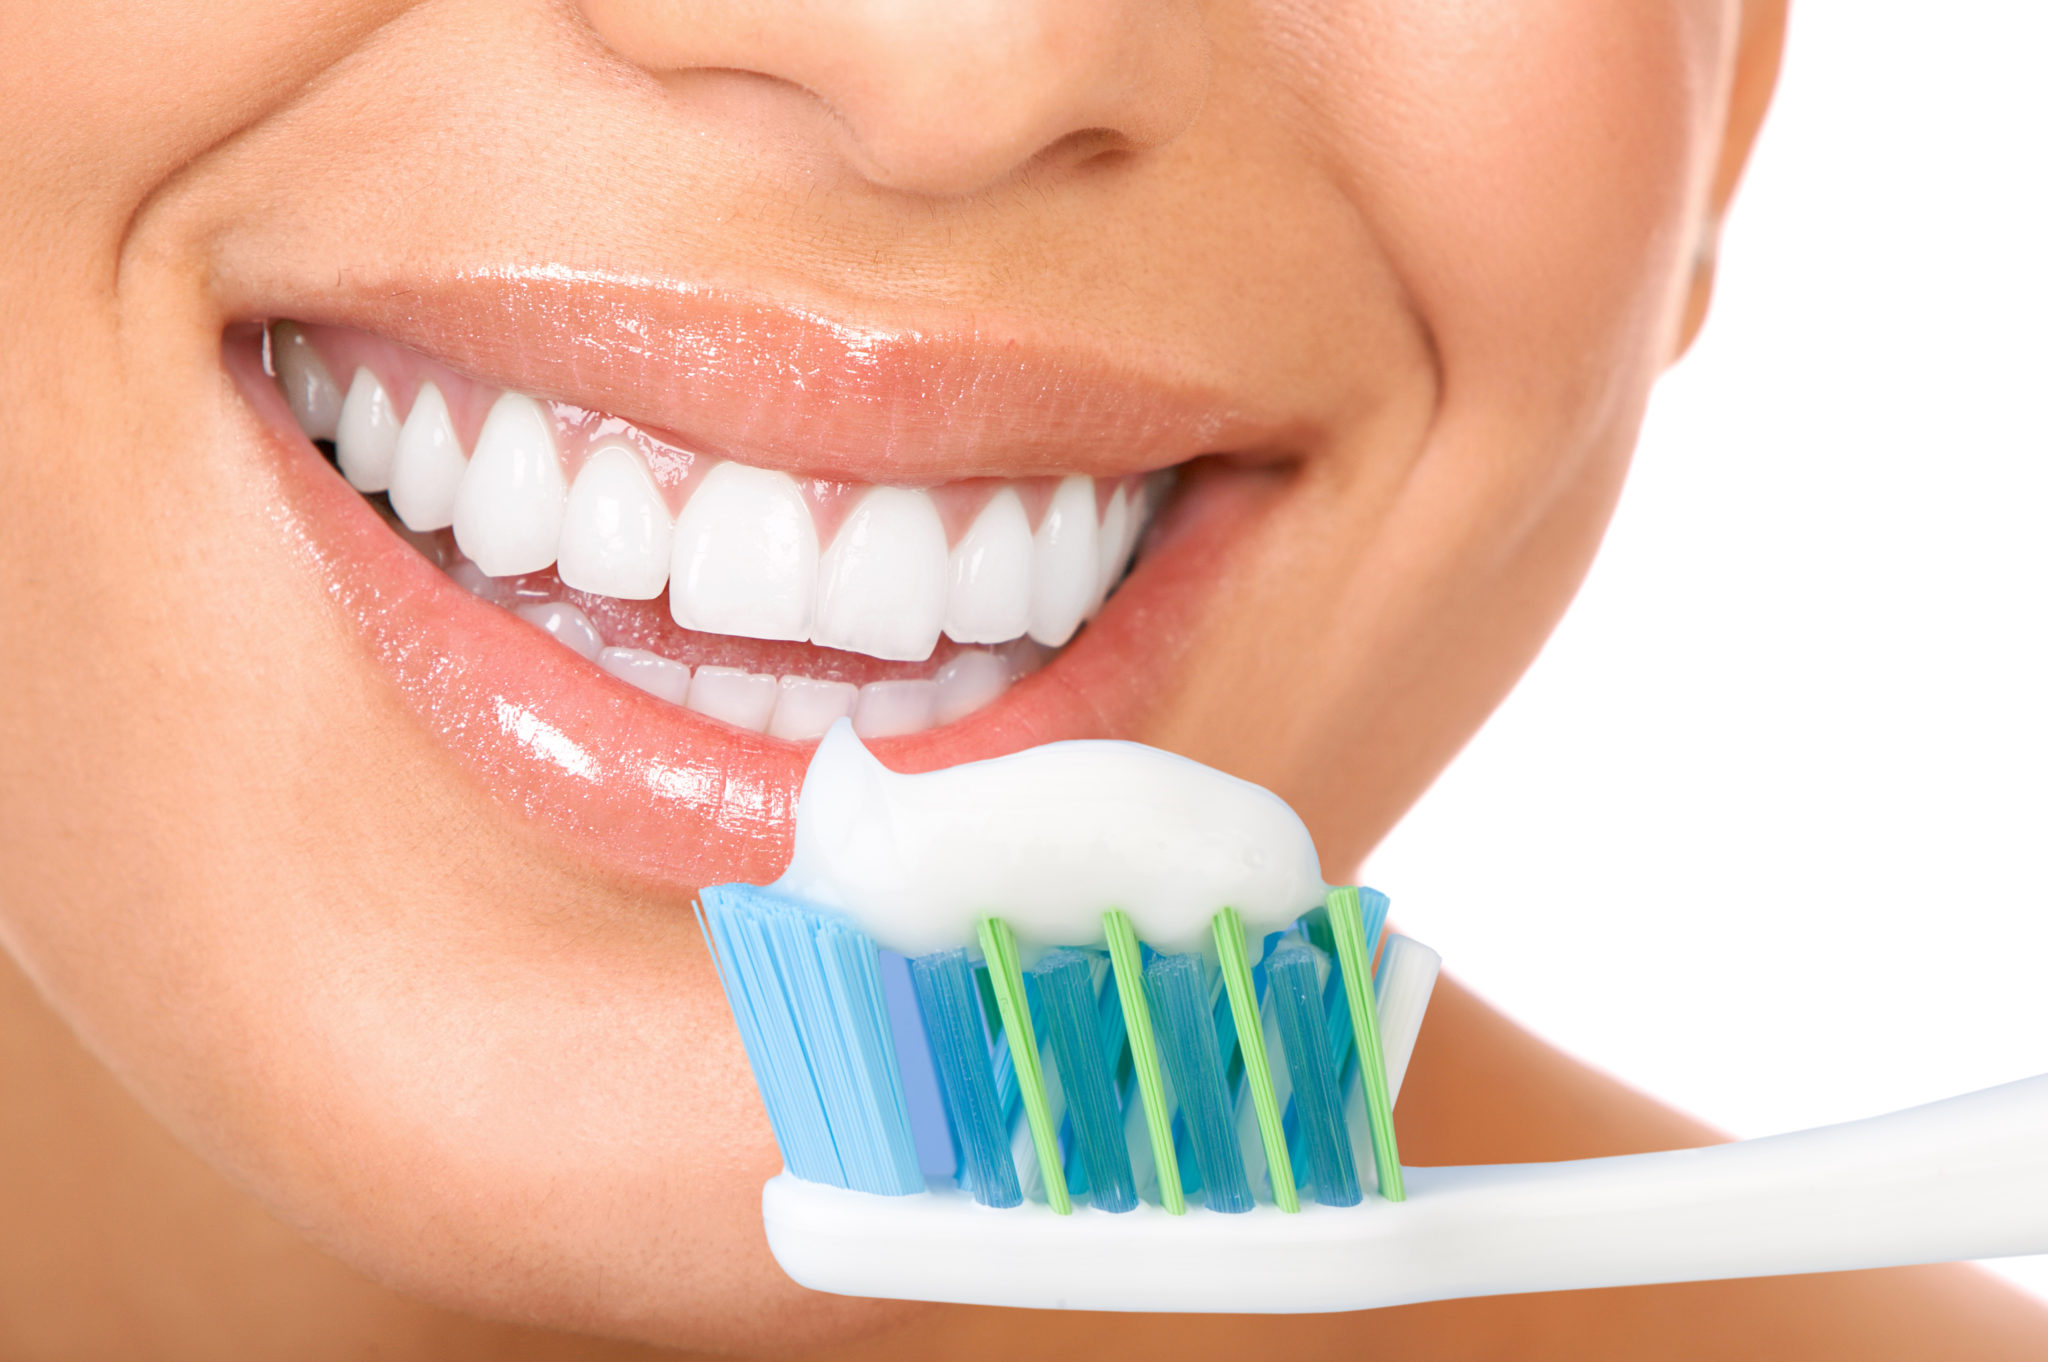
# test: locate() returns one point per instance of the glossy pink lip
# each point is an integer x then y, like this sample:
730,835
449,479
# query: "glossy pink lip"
648,789
784,389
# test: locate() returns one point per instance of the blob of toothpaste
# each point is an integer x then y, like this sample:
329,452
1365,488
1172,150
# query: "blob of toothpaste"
1046,838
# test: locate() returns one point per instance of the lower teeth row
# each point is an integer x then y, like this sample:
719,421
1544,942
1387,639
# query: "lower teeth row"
796,707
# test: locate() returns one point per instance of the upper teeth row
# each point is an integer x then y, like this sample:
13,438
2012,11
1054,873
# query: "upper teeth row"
742,557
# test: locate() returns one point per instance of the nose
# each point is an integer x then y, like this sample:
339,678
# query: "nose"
945,97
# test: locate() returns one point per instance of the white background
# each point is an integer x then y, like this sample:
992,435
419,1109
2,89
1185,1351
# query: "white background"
1765,829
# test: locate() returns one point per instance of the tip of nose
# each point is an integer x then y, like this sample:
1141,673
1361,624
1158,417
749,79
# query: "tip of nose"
946,98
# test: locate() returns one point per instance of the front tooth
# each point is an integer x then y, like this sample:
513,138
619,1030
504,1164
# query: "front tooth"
508,511
746,556
565,624
805,707
989,575
882,584
1064,566
657,675
890,709
1109,545
968,681
366,434
616,532
309,390
740,698
427,466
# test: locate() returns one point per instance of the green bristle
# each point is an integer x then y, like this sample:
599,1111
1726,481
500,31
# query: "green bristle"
1354,955
1251,1045
1130,991
999,950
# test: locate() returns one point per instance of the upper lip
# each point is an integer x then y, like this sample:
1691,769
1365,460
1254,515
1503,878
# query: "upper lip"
781,387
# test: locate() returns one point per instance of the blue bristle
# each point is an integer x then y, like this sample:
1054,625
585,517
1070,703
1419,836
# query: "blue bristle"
1178,989
1068,1005
1237,1093
1116,1057
1337,1027
1009,1106
951,1003
1337,1012
1109,1023
937,1154
806,991
1318,1102
1022,1151
1372,907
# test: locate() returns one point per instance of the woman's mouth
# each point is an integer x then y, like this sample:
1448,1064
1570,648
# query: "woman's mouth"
769,602
638,641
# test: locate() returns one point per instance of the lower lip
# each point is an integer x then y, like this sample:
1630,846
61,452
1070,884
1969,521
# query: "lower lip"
651,789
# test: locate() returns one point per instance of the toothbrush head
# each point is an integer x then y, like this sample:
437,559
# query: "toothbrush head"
1004,1125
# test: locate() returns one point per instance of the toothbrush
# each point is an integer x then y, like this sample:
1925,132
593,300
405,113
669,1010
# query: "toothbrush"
1080,1121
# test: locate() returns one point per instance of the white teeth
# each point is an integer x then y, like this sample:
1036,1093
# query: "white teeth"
968,681
888,709
742,699
989,575
427,466
882,584
1109,545
616,530
366,434
743,557
1064,563
309,390
805,707
565,624
508,510
746,556
651,672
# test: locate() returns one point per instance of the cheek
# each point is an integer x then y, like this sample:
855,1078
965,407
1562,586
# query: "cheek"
1532,167
1532,172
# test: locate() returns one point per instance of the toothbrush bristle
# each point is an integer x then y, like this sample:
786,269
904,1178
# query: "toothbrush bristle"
950,1000
999,949
1348,919
1297,992
1073,1022
1116,1077
806,990
1251,1048
1177,988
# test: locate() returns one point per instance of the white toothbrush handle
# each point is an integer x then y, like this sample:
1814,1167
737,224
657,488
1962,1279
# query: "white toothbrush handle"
1962,1178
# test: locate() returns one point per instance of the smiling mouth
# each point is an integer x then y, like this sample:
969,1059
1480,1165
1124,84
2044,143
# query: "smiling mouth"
626,552
759,598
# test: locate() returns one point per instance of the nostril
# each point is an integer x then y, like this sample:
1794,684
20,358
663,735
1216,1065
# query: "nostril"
1089,148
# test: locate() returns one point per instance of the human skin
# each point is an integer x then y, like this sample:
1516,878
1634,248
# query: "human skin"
326,1038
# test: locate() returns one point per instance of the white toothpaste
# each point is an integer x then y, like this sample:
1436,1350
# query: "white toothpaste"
1047,839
